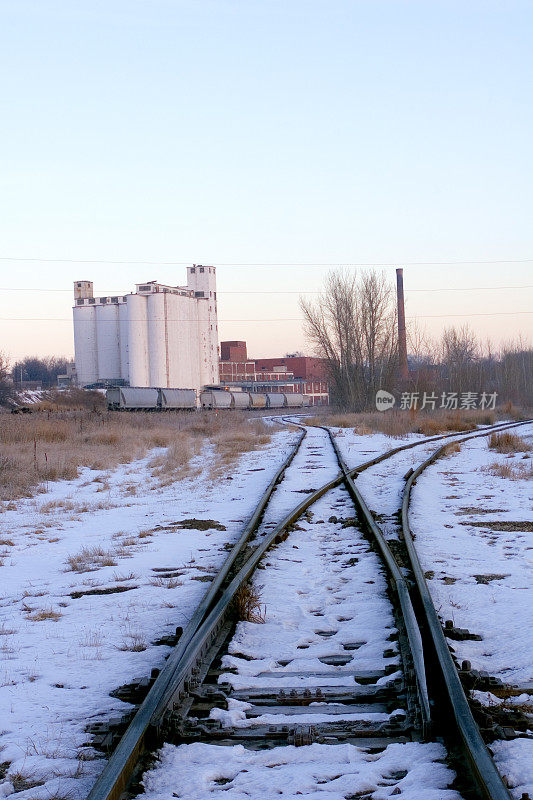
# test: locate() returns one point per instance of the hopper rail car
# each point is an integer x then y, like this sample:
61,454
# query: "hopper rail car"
130,398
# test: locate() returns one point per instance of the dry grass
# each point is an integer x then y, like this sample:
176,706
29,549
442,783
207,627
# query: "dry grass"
22,782
508,443
450,449
175,463
53,444
90,559
247,604
165,583
231,442
44,614
513,472
399,423
134,642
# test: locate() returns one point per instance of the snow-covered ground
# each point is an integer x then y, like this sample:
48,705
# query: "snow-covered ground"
97,569
382,484
474,536
323,595
316,772
315,591
92,572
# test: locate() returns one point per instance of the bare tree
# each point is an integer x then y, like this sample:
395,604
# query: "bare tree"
460,354
352,325
515,372
6,386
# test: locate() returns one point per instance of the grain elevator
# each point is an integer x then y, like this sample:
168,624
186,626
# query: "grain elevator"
160,336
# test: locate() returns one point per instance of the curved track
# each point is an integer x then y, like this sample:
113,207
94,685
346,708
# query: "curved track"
180,693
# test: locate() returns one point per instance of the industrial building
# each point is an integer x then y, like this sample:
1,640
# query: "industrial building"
159,336
288,374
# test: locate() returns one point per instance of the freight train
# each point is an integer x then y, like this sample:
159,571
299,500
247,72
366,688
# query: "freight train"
130,398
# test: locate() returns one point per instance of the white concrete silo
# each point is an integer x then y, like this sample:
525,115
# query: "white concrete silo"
202,280
85,348
158,339
181,330
138,340
123,336
108,341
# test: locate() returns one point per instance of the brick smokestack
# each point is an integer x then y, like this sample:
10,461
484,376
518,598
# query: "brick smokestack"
402,338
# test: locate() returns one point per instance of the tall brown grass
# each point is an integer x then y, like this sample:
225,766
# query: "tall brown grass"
399,423
50,445
508,443
514,472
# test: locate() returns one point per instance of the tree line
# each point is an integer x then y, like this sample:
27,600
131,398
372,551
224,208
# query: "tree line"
353,326
43,370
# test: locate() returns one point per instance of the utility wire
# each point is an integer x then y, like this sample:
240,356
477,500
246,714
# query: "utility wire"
267,263
274,319
290,291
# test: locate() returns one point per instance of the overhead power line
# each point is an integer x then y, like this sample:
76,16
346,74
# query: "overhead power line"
272,319
396,263
287,291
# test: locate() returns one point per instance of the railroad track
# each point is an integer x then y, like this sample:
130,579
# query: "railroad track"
336,662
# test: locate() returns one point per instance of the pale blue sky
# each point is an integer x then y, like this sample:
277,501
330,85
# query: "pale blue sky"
261,131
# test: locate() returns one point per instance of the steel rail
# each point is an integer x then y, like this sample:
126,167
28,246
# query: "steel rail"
119,769
483,768
401,588
202,629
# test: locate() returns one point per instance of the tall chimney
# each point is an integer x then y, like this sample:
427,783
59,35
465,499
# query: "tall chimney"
402,338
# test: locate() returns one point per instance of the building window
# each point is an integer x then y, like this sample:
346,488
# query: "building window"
79,302
114,299
202,269
92,300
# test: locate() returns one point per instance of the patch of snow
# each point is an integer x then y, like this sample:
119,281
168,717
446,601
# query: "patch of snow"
317,772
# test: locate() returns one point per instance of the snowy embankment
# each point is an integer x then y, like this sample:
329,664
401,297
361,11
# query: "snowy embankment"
474,536
92,573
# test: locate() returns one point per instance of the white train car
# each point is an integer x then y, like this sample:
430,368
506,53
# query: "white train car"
175,399
215,399
294,400
241,400
129,398
276,400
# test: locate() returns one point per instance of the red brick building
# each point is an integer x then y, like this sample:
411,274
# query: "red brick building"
303,374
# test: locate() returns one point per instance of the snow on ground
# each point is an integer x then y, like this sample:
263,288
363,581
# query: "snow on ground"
477,559
515,761
314,461
317,772
93,571
382,484
314,588
474,536
323,594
